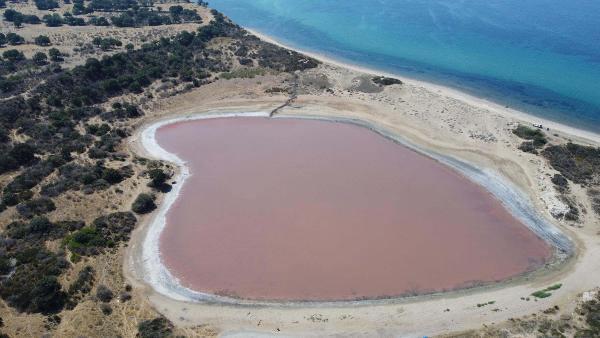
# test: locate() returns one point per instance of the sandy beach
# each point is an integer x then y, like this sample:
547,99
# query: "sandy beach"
433,120
580,134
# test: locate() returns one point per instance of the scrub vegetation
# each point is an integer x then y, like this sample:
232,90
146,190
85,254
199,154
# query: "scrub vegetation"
575,163
536,138
62,132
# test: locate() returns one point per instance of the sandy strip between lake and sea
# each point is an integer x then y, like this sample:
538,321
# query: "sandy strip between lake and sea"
413,120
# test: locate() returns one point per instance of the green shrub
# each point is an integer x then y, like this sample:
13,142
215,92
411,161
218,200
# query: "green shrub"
541,294
42,40
244,73
23,153
112,176
158,178
561,183
578,163
40,225
81,286
46,4
106,309
528,147
143,204
40,58
385,81
5,265
53,20
10,199
99,21
156,328
105,231
14,39
546,292
535,135
104,294
117,226
34,287
13,55
55,55
86,242
38,206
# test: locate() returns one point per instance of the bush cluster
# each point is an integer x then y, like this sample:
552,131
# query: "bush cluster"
105,232
18,18
158,179
591,312
578,163
143,204
156,328
38,206
385,81
33,286
106,43
536,136
46,4
104,294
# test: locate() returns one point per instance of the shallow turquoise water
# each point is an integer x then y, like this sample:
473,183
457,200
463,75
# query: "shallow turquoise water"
541,56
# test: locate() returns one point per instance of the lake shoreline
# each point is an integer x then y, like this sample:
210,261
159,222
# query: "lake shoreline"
152,270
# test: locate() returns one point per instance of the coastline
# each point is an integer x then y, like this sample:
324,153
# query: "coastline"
581,135
156,275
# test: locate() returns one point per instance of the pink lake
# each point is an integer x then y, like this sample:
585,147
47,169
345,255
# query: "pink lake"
293,209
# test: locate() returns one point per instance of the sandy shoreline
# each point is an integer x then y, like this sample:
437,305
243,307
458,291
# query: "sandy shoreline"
580,134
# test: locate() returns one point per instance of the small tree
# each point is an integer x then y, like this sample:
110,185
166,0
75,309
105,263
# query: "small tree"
23,153
18,21
10,14
46,4
13,55
42,40
14,39
104,294
99,21
143,204
156,328
112,176
158,178
40,58
53,20
3,40
55,55
47,296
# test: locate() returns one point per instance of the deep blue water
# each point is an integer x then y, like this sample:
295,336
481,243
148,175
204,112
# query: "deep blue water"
540,56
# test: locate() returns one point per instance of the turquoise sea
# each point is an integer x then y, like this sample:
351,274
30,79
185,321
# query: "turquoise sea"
539,56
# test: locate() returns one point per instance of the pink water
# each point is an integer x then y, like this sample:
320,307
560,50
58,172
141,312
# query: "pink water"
289,209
